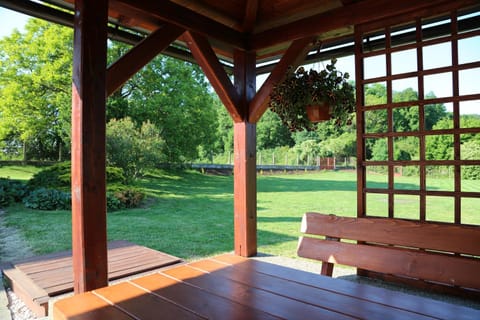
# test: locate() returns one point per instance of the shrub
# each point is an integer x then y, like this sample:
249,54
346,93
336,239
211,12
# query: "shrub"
11,191
133,149
48,199
58,177
129,197
113,203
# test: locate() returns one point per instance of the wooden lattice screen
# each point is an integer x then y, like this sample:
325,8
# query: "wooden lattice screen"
428,55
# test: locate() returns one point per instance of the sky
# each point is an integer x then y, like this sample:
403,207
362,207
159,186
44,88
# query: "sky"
437,56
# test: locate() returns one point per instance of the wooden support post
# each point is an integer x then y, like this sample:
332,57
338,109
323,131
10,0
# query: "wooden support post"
245,174
89,228
245,189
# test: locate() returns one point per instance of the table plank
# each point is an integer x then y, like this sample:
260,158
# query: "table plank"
197,300
351,306
429,307
86,306
127,296
269,302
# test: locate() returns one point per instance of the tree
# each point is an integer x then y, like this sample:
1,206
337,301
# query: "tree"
175,96
271,133
132,149
35,87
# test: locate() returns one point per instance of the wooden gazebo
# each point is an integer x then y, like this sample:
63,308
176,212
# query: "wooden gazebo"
240,39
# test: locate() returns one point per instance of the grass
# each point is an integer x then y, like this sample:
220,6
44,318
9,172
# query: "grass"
190,215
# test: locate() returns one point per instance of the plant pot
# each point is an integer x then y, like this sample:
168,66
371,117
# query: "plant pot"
318,112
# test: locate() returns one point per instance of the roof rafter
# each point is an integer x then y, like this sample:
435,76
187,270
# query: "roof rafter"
180,16
351,14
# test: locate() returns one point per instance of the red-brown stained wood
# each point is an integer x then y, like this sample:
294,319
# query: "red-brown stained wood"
434,236
349,15
245,189
354,307
414,264
208,61
89,228
125,67
197,300
129,297
86,306
244,288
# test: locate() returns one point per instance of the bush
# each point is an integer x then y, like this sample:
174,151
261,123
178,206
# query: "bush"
59,175
133,149
48,199
11,191
127,196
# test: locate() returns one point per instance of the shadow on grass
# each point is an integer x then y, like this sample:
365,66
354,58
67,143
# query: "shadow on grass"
278,184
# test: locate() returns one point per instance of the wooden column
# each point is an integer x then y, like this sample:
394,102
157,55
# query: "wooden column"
89,228
245,175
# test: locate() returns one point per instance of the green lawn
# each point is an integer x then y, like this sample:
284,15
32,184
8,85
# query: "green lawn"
189,215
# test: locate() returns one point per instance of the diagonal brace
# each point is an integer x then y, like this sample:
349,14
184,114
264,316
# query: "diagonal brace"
124,68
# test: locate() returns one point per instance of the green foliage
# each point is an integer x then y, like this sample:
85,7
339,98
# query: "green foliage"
11,191
58,176
123,197
272,133
301,88
48,199
175,96
132,149
471,151
35,89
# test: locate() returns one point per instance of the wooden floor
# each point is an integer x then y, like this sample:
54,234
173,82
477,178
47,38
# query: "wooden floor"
231,287
37,279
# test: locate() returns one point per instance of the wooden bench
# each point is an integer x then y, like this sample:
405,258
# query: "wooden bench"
432,253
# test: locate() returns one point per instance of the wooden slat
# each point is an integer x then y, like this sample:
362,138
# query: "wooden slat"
246,290
86,306
415,264
35,297
127,296
433,308
197,300
434,236
328,300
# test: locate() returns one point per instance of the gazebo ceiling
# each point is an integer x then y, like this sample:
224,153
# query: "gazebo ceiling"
266,26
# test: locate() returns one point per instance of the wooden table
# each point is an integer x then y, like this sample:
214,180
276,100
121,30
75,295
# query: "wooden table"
232,287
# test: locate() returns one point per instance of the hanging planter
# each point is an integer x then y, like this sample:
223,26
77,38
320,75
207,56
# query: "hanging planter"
318,112
329,87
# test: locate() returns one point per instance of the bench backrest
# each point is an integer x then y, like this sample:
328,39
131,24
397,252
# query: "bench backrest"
449,254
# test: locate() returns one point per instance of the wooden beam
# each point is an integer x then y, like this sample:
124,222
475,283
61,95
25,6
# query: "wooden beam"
184,18
89,219
125,67
348,15
208,61
245,179
251,9
295,54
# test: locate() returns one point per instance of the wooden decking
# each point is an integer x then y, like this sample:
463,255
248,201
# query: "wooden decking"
232,287
36,280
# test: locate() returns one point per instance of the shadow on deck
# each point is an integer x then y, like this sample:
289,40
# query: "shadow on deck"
35,280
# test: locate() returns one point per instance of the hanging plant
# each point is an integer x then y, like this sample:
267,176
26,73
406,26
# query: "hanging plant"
328,90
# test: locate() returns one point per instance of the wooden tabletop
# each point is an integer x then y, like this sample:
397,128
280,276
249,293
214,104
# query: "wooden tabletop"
232,287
